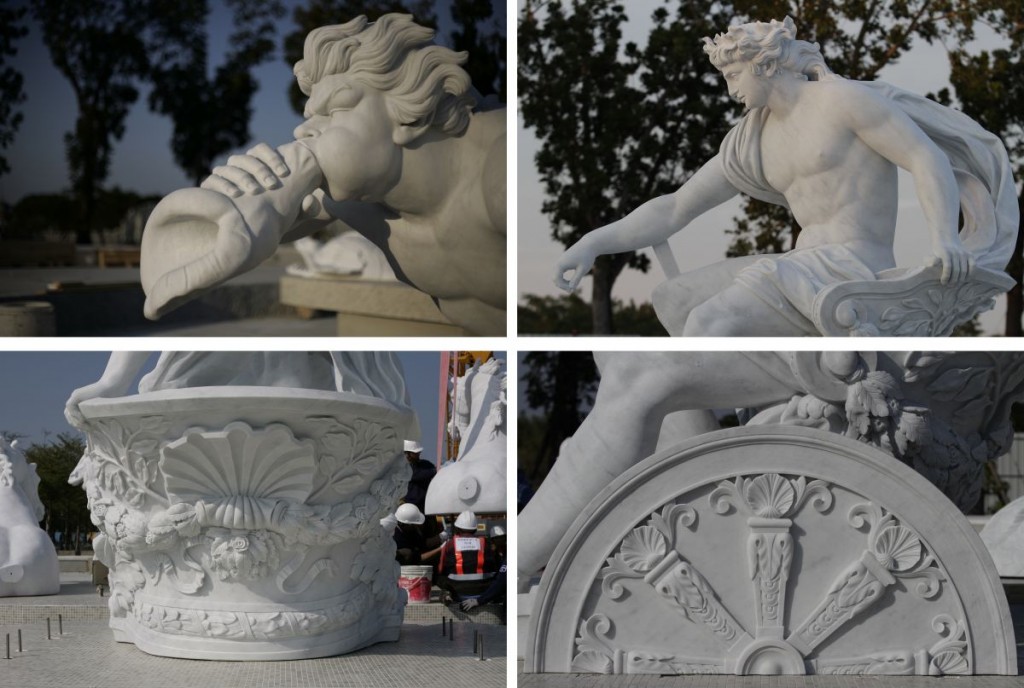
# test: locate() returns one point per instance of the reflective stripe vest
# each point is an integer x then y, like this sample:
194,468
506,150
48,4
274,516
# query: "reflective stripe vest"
459,544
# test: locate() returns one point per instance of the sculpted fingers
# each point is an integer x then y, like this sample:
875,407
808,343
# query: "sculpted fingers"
258,170
271,157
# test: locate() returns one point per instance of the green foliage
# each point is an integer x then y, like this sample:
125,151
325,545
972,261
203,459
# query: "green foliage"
560,391
66,505
12,92
990,88
569,314
38,214
211,115
98,46
474,31
619,124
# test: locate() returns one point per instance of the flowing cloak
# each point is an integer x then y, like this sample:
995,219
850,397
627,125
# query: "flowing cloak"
988,195
367,373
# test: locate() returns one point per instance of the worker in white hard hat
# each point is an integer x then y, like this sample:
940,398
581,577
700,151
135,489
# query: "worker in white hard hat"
409,539
467,551
422,473
495,593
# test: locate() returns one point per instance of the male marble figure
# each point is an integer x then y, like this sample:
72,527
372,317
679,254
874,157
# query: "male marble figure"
827,148
401,153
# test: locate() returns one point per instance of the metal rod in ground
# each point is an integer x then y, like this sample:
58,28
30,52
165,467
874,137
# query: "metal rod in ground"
19,641
481,657
60,624
8,646
444,626
476,639
451,630
48,629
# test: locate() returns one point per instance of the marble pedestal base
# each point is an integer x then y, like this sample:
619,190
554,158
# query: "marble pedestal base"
242,523
366,308
770,551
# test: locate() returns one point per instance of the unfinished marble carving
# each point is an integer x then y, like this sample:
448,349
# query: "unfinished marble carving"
771,550
348,254
1004,537
241,521
28,560
394,145
827,148
941,414
476,481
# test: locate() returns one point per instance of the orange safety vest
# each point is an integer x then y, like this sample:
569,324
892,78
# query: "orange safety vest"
458,554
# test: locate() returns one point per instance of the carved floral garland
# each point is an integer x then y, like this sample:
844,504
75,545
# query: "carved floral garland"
242,504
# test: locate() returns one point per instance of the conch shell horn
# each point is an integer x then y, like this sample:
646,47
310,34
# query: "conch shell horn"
196,239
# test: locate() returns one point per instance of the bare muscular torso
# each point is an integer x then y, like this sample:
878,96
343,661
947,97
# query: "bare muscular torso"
840,190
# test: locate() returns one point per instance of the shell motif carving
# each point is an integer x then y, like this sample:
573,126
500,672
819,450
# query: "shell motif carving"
770,495
643,548
237,465
897,548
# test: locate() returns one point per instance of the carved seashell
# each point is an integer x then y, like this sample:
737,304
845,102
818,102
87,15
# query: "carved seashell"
238,461
769,496
949,662
643,548
897,548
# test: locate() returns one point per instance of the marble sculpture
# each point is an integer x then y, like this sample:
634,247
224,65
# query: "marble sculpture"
395,145
239,498
476,480
28,560
827,148
823,536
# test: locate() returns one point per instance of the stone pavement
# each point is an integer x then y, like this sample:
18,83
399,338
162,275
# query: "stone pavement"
86,655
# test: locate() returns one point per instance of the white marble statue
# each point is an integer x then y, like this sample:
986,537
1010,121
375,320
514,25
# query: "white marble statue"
777,547
28,560
827,148
239,498
944,414
476,480
392,145
1004,537
348,254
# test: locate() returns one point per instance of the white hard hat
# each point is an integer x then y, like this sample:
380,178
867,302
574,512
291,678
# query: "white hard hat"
409,513
497,531
413,446
466,521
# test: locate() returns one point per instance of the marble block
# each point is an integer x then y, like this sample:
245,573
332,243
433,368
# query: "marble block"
1004,537
368,308
243,523
771,550
476,481
28,560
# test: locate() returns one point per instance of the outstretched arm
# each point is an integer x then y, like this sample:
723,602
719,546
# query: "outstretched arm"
122,367
650,224
890,132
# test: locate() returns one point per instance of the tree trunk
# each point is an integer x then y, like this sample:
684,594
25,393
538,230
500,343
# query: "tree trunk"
1014,298
603,275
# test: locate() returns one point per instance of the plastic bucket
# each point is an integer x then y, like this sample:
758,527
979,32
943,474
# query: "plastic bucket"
416,581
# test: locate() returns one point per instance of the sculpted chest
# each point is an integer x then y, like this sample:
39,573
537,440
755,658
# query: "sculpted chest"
802,147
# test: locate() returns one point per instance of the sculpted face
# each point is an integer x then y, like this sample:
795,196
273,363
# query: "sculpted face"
351,133
745,86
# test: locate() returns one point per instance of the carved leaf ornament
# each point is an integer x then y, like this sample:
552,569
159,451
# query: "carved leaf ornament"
650,554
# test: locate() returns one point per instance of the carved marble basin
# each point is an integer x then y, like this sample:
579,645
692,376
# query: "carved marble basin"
243,522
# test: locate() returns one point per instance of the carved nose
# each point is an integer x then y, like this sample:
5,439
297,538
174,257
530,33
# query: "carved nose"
306,130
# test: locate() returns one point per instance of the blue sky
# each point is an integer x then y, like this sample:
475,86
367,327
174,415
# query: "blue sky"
36,385
142,160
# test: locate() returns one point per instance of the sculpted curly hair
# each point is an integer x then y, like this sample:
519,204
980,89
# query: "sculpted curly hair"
768,47
423,81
